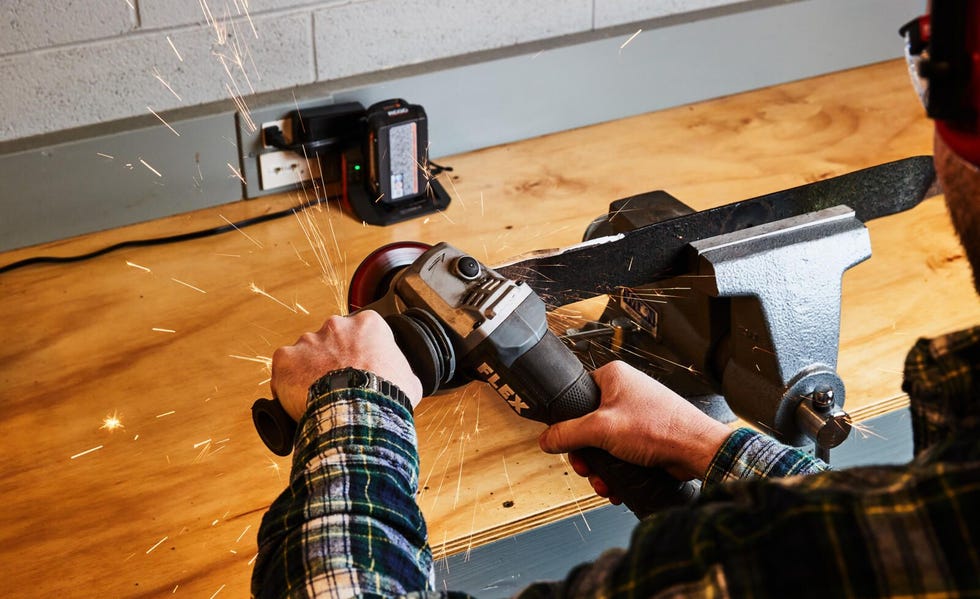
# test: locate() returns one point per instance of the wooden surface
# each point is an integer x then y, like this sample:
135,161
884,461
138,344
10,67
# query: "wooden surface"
172,501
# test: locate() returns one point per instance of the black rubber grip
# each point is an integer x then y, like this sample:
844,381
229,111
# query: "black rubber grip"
276,428
578,399
567,389
643,490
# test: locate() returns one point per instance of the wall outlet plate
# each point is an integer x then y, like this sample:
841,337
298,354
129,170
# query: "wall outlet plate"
279,171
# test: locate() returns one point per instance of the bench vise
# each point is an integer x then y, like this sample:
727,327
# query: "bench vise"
736,308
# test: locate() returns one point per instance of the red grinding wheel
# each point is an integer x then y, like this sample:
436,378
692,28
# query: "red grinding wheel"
373,276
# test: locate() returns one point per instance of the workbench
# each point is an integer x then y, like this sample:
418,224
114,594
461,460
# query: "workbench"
174,341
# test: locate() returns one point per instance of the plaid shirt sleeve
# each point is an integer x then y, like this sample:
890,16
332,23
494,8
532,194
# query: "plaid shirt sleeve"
942,376
348,523
748,454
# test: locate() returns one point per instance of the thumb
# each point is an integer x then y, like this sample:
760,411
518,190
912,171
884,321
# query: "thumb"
565,436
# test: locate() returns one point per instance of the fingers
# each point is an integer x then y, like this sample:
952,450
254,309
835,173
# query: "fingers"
569,435
598,485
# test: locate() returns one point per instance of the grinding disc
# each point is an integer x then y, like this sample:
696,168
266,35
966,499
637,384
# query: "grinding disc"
373,276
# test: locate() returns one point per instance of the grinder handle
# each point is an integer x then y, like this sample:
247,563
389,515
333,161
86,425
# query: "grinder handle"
643,489
275,426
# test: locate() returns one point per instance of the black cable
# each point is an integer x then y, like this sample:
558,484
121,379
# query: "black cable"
435,169
159,240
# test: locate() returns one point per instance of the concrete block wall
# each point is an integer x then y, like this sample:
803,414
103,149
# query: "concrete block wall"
76,63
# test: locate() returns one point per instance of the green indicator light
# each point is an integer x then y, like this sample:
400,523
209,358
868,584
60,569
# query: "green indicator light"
357,167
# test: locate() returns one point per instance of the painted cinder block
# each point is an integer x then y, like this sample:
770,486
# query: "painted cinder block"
157,14
30,25
92,83
609,13
363,37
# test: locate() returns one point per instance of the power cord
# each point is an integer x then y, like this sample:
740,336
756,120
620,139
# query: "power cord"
159,240
434,170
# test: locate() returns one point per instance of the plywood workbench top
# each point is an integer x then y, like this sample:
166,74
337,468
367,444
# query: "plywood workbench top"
173,340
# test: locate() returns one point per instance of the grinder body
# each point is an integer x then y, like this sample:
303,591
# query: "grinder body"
477,324
457,320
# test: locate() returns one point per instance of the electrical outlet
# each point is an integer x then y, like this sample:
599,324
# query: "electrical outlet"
285,125
285,169
263,169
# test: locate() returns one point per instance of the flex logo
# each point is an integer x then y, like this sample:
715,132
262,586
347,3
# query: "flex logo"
504,390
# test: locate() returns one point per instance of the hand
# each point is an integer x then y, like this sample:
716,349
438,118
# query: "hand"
640,421
362,340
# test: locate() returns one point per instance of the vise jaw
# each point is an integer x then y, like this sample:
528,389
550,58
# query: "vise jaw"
750,329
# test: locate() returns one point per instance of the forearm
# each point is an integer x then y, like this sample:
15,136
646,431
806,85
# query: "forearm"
348,520
747,454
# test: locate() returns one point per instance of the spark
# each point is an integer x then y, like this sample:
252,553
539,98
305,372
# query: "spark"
167,413
105,155
264,360
507,476
157,544
301,308
578,506
228,255
469,544
153,170
208,17
248,16
134,265
198,289
690,367
236,172
111,422
86,452
159,330
243,533
174,592
275,466
459,480
204,451
130,4
163,121
298,255
255,289
216,592
243,111
252,561
443,214
171,42
865,430
159,77
328,256
233,225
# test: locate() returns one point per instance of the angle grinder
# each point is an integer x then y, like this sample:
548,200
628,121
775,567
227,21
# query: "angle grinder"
457,320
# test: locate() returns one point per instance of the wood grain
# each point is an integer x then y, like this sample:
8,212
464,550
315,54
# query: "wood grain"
172,501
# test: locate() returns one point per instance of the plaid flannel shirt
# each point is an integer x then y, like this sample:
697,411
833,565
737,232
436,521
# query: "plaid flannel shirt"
348,524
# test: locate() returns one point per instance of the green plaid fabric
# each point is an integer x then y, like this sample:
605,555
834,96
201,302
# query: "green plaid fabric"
348,524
